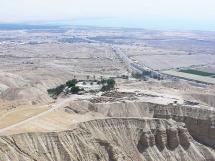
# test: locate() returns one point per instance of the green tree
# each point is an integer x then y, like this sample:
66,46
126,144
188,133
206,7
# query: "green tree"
75,90
103,81
71,83
111,83
56,91
108,84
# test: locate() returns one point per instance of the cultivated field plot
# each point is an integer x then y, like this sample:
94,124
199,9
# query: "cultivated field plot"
206,68
198,72
188,76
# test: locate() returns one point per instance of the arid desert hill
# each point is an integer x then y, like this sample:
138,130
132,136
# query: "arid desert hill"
115,139
161,106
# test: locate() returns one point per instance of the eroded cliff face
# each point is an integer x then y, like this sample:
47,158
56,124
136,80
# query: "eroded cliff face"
199,120
208,99
113,139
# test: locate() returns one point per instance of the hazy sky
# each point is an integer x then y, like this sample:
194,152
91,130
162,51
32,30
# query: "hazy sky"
185,14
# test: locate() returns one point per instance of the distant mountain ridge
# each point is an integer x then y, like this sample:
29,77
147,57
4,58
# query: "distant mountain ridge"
20,26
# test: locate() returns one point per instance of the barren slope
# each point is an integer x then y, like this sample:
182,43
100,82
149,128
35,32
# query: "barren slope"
199,121
115,139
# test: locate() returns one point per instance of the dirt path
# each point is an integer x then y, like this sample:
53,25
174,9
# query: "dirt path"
54,107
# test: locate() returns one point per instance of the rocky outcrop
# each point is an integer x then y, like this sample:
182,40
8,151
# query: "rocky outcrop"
113,139
200,121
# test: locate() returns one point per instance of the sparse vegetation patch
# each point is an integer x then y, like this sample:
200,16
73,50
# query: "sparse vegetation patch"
107,84
69,87
54,92
82,86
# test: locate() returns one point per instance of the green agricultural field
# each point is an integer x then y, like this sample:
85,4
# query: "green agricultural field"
197,72
191,76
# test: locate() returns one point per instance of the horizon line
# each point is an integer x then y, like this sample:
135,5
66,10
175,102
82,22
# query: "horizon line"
40,25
